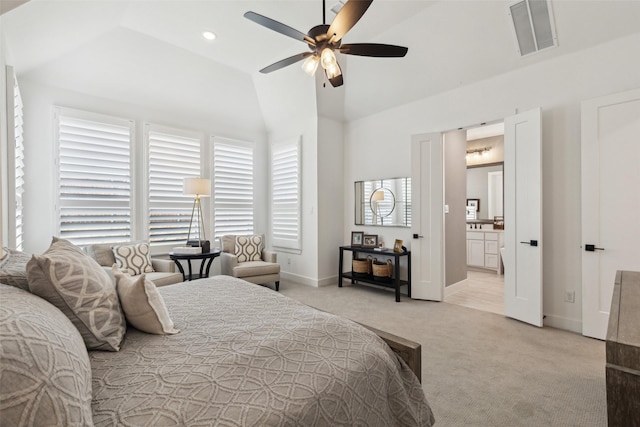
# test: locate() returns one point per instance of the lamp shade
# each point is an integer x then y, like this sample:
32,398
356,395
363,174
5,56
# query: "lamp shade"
377,196
197,187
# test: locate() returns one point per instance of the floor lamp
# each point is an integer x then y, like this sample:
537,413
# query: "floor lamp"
376,198
197,187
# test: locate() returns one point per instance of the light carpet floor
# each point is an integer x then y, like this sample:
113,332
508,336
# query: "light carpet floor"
480,368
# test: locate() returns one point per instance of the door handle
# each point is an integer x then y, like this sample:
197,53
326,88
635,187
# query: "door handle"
592,248
531,242
417,236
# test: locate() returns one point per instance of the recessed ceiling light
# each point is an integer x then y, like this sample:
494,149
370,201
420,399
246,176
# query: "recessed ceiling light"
208,35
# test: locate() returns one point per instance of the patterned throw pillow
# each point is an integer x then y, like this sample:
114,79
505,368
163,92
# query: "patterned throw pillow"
249,248
142,304
72,281
44,365
133,259
13,269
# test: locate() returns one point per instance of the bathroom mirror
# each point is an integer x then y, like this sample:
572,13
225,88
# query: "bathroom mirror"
383,202
485,183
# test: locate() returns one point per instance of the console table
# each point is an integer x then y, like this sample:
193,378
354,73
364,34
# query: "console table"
394,282
188,257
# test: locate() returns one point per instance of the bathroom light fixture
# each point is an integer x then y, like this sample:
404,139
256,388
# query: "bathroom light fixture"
479,151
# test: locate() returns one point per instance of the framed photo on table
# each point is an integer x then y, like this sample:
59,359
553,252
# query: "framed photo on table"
370,241
397,246
356,238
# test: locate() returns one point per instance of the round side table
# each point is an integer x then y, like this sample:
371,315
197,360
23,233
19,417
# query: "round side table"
206,257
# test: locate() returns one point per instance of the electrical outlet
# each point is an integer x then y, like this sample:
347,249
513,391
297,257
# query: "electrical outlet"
570,296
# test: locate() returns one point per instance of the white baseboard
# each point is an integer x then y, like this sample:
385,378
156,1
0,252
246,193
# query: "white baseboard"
308,281
458,286
559,322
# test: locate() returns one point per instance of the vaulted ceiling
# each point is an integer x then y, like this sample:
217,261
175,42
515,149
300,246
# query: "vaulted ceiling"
451,43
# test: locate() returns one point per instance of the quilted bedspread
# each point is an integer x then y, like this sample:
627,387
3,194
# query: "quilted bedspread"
248,356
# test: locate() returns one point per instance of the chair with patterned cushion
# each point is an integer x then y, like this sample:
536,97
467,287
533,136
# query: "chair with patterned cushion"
244,257
160,271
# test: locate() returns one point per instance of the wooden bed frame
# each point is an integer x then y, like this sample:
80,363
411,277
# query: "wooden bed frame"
409,351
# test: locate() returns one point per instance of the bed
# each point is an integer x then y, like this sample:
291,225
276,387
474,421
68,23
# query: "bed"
246,356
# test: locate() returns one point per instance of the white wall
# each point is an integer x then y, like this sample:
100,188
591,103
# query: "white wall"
330,198
288,105
378,146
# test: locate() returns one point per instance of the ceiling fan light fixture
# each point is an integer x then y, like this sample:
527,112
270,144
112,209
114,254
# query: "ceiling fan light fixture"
310,65
333,71
328,58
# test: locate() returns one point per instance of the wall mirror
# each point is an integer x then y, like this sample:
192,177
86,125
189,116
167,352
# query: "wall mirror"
383,202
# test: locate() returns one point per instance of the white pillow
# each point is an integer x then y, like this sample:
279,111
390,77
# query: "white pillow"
133,259
142,304
249,248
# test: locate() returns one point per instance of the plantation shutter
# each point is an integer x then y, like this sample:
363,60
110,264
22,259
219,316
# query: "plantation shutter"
232,187
94,177
286,203
173,156
16,162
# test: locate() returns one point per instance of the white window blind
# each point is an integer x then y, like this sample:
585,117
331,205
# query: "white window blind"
94,177
173,155
16,162
286,200
232,187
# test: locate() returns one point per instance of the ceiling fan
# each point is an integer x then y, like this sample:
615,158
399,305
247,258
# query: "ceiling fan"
323,40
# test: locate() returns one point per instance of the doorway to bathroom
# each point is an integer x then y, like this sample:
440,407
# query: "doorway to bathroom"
474,164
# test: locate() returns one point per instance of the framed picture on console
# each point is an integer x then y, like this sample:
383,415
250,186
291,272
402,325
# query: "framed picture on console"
356,238
370,241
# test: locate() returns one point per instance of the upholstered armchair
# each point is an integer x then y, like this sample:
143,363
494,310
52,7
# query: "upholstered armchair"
244,257
163,271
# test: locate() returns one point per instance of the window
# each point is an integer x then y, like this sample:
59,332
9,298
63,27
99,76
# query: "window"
173,155
94,177
232,187
286,203
16,162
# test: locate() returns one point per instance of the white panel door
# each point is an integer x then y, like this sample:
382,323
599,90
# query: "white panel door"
523,217
610,201
427,248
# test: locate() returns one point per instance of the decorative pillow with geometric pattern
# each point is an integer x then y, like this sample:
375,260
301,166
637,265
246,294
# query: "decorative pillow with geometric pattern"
44,365
142,304
13,269
133,259
74,282
249,248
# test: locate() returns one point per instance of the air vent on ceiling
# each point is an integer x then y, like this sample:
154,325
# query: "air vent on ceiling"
338,6
533,25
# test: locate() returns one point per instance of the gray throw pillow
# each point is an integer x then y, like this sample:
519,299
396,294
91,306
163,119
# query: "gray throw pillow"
72,281
44,365
13,269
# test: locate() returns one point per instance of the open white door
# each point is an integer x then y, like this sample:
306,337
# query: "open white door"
523,217
427,194
610,202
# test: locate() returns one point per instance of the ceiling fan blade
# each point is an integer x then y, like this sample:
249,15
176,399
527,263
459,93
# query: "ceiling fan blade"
374,49
350,13
285,62
279,27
